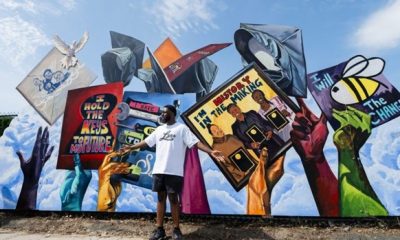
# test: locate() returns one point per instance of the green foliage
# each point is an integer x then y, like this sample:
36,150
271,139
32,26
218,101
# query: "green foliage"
5,121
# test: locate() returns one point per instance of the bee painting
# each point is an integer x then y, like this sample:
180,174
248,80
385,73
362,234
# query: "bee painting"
357,83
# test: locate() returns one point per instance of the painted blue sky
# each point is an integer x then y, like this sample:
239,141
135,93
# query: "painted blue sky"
333,31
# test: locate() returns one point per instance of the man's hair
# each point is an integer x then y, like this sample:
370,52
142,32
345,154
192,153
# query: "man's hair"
258,90
209,127
230,106
171,108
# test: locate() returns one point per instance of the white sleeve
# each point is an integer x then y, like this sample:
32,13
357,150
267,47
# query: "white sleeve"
151,139
188,137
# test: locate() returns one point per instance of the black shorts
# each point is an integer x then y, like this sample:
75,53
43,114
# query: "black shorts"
167,183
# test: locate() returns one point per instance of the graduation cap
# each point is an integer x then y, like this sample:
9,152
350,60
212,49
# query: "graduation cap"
155,79
197,79
122,62
191,73
278,50
166,54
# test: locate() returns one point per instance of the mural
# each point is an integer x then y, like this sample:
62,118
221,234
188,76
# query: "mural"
331,154
89,127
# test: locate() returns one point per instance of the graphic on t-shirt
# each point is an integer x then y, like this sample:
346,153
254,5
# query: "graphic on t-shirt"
168,136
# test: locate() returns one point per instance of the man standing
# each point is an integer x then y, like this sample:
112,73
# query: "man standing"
171,140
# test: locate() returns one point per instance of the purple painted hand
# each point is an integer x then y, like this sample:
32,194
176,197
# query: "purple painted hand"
32,168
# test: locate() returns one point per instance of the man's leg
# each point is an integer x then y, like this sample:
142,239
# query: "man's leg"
175,209
162,197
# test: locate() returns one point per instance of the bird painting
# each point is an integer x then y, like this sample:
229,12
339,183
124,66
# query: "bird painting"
69,60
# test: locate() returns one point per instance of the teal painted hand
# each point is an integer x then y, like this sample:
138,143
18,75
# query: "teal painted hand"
354,130
357,197
74,187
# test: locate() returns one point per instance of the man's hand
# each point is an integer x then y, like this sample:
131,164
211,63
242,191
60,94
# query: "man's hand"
354,130
109,191
218,155
268,134
32,168
309,133
285,113
255,145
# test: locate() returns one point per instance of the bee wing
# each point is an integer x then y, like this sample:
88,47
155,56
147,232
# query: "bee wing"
60,44
355,65
82,42
375,67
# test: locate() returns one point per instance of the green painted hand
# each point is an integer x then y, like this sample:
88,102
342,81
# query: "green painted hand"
356,197
354,130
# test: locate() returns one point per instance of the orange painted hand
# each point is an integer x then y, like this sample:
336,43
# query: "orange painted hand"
110,189
261,183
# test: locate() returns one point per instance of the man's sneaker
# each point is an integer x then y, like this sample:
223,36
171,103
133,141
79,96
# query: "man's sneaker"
176,234
158,234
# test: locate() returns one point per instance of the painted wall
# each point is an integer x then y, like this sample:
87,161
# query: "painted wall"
342,163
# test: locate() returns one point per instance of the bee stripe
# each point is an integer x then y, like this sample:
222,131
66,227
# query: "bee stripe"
360,88
353,88
363,87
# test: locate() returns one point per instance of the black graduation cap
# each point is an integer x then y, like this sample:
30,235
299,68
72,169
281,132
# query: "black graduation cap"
122,62
155,79
278,50
192,73
197,79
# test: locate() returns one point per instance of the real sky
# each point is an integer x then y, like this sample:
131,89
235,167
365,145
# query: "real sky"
333,31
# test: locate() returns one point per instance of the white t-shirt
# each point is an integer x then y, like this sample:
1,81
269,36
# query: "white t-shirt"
171,142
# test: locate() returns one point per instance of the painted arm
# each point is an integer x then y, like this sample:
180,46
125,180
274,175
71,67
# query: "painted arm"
261,183
32,168
357,198
308,136
74,187
110,189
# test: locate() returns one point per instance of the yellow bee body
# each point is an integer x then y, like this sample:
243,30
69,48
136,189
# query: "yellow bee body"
357,84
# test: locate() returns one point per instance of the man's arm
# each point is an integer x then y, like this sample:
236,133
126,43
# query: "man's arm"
130,148
218,155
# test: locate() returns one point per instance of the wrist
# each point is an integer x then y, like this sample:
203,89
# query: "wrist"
313,159
27,196
30,185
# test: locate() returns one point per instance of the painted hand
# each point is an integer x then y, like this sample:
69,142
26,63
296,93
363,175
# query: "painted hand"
268,135
357,197
255,145
285,113
354,130
309,133
261,184
74,187
308,136
32,168
110,189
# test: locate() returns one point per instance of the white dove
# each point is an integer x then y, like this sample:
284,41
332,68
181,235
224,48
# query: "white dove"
70,50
